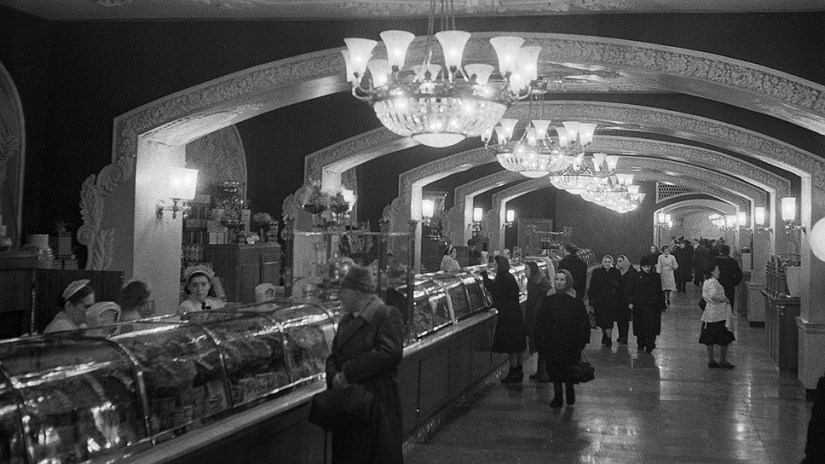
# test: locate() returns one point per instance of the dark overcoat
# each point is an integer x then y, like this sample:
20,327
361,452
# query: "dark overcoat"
604,283
730,274
648,303
511,334
578,269
684,258
624,294
537,289
562,331
368,349
701,258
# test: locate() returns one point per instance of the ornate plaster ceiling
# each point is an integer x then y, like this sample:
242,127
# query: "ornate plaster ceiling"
69,10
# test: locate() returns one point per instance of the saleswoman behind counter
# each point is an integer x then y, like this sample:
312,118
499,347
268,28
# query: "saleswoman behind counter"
198,286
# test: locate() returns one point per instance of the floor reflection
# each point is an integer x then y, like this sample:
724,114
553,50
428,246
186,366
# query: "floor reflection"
660,407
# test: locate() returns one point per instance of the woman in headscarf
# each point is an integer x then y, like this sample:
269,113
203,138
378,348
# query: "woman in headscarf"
511,335
624,297
538,286
75,300
562,332
448,261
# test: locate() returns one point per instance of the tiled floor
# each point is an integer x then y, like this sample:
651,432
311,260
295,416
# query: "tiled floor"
663,407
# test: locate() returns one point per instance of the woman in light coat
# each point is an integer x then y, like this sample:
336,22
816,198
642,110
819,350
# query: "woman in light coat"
666,265
717,321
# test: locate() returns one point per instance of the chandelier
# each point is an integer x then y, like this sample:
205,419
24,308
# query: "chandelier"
577,178
437,105
610,189
535,153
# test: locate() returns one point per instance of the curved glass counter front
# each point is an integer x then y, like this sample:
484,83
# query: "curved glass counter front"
78,399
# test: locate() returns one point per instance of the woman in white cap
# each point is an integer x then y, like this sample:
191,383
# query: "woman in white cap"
448,262
75,300
198,283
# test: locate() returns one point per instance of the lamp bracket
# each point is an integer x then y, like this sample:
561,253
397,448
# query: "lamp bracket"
161,207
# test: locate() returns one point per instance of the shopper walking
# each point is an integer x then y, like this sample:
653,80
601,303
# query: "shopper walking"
717,320
648,304
684,259
511,335
666,265
562,332
601,296
538,286
577,268
624,297
701,259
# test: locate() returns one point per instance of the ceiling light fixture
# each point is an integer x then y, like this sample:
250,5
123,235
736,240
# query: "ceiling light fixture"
437,105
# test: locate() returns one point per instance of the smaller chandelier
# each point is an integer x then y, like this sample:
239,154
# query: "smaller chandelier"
535,153
577,178
436,105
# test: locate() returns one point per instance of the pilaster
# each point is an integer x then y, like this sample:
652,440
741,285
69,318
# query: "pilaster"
811,351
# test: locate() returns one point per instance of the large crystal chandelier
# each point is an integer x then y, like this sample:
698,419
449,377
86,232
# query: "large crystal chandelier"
439,105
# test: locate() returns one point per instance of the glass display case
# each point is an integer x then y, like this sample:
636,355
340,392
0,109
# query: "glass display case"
308,333
182,374
252,346
78,399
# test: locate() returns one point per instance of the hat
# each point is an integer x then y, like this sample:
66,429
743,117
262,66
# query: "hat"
359,278
198,269
95,312
74,287
646,261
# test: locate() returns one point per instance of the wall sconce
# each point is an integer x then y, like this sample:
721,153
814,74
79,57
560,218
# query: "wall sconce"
510,217
427,211
759,215
818,239
664,221
182,185
478,215
742,219
789,215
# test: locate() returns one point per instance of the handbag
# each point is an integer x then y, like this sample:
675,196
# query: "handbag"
582,371
703,304
339,408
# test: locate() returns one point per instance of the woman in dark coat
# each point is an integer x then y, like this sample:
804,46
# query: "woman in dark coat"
701,259
538,286
648,303
624,296
602,297
562,331
684,258
511,334
367,349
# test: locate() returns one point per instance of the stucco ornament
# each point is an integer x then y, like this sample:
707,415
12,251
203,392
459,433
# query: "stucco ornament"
397,215
12,156
92,234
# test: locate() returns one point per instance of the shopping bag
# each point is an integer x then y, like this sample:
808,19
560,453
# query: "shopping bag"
340,408
582,371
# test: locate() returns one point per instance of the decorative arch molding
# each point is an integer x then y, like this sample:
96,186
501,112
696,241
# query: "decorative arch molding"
496,214
219,157
408,204
228,100
461,213
701,157
713,205
709,131
12,156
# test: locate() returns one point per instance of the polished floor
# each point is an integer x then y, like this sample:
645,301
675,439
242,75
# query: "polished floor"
662,407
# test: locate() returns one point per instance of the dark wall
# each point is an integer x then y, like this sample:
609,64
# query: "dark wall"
76,77
24,51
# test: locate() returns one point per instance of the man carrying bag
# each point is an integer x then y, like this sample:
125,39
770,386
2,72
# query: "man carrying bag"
361,407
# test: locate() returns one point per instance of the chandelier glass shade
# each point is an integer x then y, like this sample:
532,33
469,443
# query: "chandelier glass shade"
576,178
439,105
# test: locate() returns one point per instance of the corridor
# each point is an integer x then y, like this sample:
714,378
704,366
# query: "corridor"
663,407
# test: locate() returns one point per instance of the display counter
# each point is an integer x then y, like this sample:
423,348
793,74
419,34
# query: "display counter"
226,386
